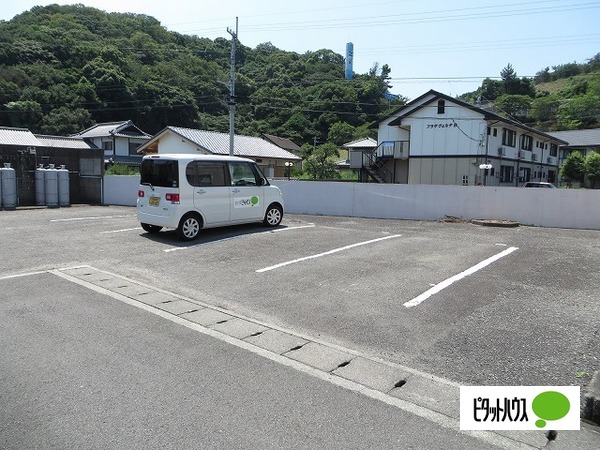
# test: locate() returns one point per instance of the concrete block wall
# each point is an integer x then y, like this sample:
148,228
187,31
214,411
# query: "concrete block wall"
559,208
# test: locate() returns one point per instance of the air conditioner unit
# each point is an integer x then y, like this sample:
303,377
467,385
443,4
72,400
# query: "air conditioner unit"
549,160
501,151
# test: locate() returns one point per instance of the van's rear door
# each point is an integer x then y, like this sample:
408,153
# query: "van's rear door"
159,181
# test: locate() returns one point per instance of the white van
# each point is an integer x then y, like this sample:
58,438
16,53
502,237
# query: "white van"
191,192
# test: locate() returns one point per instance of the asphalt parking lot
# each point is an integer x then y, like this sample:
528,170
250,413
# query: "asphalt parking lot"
438,304
475,305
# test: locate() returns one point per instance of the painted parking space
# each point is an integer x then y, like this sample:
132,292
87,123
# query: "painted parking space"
495,319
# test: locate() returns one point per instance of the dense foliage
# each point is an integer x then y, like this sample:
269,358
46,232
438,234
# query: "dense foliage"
564,98
62,68
573,169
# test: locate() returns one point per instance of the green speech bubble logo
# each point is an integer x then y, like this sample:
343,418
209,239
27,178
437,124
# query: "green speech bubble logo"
550,405
254,200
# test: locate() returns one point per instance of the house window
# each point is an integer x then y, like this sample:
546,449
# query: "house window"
107,146
441,106
133,146
526,142
465,180
509,137
553,149
495,132
507,174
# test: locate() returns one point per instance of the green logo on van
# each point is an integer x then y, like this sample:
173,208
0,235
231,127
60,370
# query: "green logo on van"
254,200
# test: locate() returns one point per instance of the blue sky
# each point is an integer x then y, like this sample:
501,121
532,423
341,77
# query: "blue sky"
449,46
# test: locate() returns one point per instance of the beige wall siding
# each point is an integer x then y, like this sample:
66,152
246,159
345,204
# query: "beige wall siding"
443,171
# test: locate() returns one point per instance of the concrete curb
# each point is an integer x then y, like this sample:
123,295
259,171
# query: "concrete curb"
590,408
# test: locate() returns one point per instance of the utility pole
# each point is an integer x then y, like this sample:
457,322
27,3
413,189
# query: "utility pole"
232,87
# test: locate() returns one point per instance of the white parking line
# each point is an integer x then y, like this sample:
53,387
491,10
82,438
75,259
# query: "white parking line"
279,230
174,249
20,275
330,252
444,284
121,231
73,219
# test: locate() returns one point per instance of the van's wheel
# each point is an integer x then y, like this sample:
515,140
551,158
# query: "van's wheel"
151,228
273,216
189,227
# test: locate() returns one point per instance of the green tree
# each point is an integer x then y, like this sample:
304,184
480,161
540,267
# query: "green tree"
297,128
544,109
573,168
513,105
65,121
592,167
491,89
579,112
320,165
340,133
25,114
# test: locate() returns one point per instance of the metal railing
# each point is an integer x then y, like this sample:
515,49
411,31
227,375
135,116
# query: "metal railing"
377,166
393,149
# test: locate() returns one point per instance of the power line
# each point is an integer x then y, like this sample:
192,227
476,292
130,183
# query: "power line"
445,15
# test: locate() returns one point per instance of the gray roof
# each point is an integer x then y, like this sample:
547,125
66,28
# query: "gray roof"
63,142
246,146
284,143
361,143
119,129
579,138
18,136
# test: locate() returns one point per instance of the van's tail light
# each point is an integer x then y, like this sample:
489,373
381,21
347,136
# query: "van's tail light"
173,198
141,193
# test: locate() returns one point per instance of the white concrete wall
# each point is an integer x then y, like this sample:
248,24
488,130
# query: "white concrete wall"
120,190
560,208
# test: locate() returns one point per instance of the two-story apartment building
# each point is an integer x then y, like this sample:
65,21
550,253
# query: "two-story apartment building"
437,139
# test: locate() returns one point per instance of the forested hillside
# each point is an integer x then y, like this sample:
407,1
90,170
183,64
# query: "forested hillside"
564,97
63,68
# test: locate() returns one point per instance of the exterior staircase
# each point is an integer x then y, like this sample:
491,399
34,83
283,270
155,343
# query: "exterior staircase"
375,168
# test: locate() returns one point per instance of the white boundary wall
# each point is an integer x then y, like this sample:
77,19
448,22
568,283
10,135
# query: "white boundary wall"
559,208
120,190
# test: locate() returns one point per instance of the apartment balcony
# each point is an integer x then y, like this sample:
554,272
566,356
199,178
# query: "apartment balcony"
393,149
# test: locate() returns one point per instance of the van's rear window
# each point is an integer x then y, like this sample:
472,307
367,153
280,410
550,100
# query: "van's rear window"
160,172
